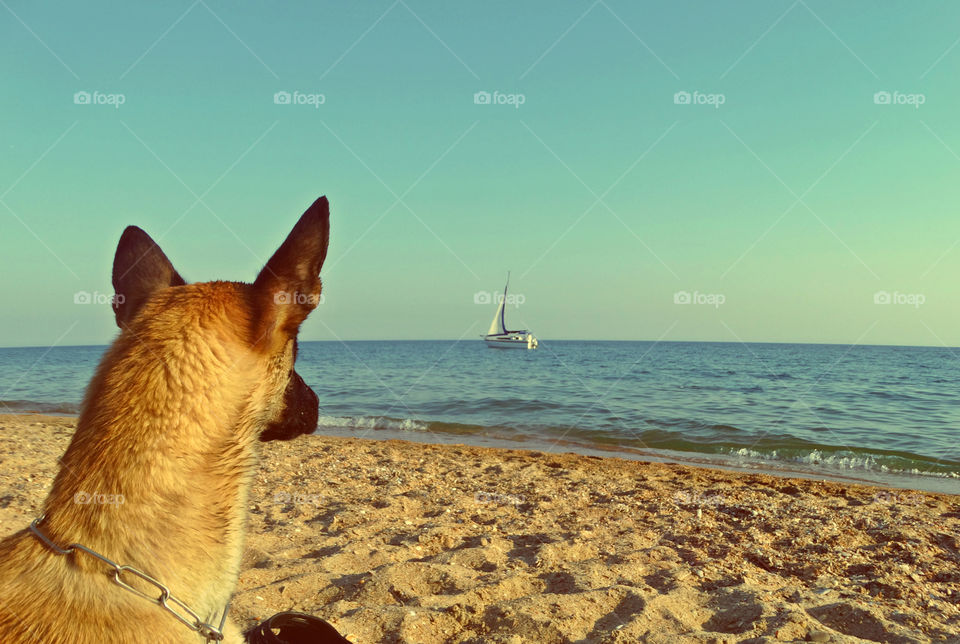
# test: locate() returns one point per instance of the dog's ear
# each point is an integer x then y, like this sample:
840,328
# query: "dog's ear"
139,269
288,287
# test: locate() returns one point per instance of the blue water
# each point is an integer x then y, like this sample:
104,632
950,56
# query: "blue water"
881,414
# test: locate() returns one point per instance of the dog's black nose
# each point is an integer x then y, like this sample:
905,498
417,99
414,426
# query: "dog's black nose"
301,407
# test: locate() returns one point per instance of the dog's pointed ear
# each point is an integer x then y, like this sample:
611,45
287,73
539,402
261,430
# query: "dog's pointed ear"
288,287
139,269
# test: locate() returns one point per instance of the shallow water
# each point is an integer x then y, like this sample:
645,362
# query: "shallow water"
882,414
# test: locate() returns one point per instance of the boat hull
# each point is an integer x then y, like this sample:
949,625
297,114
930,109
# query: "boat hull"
524,342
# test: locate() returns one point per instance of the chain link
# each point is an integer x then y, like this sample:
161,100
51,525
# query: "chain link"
166,600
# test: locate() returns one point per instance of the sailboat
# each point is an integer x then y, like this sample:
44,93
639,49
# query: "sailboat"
498,337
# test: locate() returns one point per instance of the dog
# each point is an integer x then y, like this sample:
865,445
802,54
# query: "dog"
198,375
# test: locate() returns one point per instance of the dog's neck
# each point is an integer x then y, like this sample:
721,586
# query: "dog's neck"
173,461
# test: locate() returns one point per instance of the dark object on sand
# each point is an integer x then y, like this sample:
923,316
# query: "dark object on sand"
294,628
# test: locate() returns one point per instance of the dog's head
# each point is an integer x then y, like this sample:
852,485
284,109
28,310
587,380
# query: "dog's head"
233,325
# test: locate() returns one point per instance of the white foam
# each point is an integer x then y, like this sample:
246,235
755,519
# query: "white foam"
371,422
841,460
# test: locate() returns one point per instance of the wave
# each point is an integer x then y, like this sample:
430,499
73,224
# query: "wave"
372,422
892,395
663,435
35,406
695,439
848,460
495,404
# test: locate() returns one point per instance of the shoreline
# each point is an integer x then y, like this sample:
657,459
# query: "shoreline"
397,541
724,462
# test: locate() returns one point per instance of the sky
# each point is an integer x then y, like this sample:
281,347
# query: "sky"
756,171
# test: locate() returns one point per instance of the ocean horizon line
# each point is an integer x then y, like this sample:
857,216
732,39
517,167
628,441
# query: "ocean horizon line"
597,340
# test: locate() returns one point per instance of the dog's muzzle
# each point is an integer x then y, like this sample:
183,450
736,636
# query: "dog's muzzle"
301,407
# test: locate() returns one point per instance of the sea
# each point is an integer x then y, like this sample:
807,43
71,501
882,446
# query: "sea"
874,414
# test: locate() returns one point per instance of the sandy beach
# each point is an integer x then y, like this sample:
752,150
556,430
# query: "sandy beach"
404,542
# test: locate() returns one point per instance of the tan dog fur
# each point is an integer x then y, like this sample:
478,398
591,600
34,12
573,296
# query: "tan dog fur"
171,420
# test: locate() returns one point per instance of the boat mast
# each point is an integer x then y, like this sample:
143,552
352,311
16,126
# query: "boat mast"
503,306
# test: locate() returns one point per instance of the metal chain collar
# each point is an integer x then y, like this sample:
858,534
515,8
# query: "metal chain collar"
166,600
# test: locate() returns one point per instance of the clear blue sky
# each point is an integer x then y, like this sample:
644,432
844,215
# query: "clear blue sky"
797,200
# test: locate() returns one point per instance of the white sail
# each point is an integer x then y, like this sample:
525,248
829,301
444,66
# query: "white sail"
496,327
